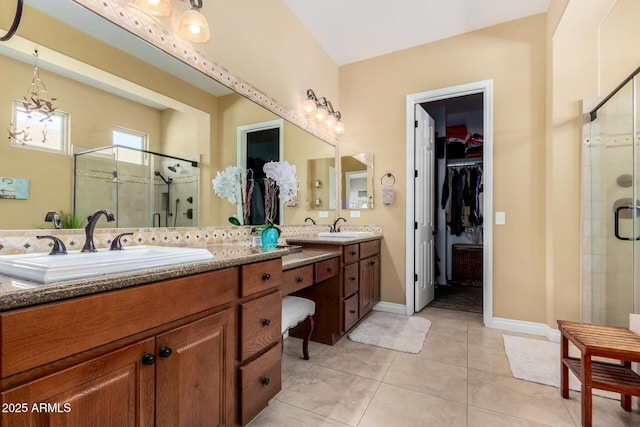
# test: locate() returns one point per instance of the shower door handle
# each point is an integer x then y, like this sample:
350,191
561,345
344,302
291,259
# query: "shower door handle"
617,220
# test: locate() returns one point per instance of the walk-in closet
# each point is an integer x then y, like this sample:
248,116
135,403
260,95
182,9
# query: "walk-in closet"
459,201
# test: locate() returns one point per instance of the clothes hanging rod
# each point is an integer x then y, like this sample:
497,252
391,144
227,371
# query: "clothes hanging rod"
465,163
593,114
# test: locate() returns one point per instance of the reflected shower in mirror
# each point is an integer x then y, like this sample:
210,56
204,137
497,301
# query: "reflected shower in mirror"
357,181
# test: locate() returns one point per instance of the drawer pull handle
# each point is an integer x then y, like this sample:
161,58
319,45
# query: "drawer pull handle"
266,322
353,253
353,279
266,276
299,279
265,381
165,352
372,263
148,359
329,270
352,311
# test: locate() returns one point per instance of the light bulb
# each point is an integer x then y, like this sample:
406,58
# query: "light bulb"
155,7
321,114
339,127
331,121
309,106
194,29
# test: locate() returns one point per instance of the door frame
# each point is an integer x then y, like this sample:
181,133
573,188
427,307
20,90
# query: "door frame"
486,88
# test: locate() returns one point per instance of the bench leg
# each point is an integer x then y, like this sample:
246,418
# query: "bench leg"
564,371
625,399
587,399
308,329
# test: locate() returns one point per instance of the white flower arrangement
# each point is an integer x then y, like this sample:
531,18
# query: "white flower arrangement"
284,174
235,185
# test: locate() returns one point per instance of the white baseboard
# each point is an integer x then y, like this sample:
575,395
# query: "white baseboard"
524,327
390,307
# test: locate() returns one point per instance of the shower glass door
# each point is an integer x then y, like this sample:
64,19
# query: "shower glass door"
611,227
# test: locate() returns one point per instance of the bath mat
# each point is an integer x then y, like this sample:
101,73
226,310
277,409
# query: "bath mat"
538,361
392,331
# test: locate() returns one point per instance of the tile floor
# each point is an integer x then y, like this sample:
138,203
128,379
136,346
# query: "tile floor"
461,378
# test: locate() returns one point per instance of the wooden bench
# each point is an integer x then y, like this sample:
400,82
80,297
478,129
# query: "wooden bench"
599,341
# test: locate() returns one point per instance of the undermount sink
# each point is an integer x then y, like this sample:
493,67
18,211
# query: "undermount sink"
45,268
346,234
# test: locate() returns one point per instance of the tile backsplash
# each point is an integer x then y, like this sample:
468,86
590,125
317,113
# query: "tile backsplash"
26,241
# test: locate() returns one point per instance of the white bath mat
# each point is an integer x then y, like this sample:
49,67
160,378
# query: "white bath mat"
393,331
538,361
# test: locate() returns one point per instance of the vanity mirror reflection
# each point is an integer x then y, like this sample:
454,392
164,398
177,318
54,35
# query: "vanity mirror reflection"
357,181
178,118
321,183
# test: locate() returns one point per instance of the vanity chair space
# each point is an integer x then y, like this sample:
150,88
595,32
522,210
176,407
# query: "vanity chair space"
346,288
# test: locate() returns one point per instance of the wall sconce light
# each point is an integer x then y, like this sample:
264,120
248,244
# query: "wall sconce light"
323,111
193,25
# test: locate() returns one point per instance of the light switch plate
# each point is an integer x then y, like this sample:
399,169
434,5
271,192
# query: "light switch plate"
354,214
323,214
501,218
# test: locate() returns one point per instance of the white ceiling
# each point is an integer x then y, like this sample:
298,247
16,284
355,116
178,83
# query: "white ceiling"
353,30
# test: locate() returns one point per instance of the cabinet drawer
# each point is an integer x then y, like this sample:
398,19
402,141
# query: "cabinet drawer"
260,276
350,312
296,279
327,269
351,253
369,248
260,324
260,381
350,279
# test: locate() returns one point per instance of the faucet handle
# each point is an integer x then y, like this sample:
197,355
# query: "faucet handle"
58,245
116,244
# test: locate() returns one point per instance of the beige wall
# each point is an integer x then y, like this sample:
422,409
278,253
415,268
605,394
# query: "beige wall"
372,97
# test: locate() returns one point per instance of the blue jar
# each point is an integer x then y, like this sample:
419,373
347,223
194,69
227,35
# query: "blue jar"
269,238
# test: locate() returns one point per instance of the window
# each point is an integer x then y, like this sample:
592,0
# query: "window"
36,130
130,139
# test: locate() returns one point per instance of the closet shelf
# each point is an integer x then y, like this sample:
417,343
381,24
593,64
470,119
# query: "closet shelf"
464,162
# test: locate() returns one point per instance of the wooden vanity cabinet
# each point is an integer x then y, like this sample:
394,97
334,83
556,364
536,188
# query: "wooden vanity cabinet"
192,351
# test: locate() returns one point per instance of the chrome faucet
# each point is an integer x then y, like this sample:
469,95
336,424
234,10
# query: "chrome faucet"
310,219
91,225
334,228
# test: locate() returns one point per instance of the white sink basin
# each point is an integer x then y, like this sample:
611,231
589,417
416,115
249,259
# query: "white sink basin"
45,268
346,234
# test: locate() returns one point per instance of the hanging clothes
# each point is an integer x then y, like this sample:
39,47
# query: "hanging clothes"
461,197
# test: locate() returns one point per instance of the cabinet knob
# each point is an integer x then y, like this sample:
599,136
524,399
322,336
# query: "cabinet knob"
372,262
266,276
165,352
353,253
353,279
148,359
352,311
266,322
265,381
329,270
299,279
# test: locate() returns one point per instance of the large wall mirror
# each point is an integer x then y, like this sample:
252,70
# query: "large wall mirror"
102,88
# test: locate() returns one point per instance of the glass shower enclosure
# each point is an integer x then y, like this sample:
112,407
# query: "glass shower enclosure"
611,208
141,188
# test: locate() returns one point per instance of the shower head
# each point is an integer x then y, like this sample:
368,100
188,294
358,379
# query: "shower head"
173,168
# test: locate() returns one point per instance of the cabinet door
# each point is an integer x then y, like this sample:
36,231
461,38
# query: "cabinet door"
376,280
116,389
367,284
194,378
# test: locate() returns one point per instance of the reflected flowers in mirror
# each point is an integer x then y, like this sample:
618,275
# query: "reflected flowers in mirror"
235,184
281,185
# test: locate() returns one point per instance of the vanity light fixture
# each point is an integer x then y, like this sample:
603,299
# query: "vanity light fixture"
323,111
193,25
155,7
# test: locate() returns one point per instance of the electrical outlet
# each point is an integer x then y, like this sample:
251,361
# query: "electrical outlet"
323,214
354,214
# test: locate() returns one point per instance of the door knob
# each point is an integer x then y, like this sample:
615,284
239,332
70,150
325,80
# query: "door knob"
165,352
148,359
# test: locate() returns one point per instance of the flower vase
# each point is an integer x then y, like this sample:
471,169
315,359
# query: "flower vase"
269,237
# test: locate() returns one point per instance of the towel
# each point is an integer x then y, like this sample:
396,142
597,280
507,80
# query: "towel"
387,194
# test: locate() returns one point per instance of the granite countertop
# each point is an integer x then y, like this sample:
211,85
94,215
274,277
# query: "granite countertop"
17,293
306,257
330,240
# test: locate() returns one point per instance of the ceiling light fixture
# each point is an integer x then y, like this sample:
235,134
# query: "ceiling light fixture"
193,24
155,7
322,110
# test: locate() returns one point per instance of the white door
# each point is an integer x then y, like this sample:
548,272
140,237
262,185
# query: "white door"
424,209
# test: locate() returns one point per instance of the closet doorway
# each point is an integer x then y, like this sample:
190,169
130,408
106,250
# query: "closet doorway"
460,181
